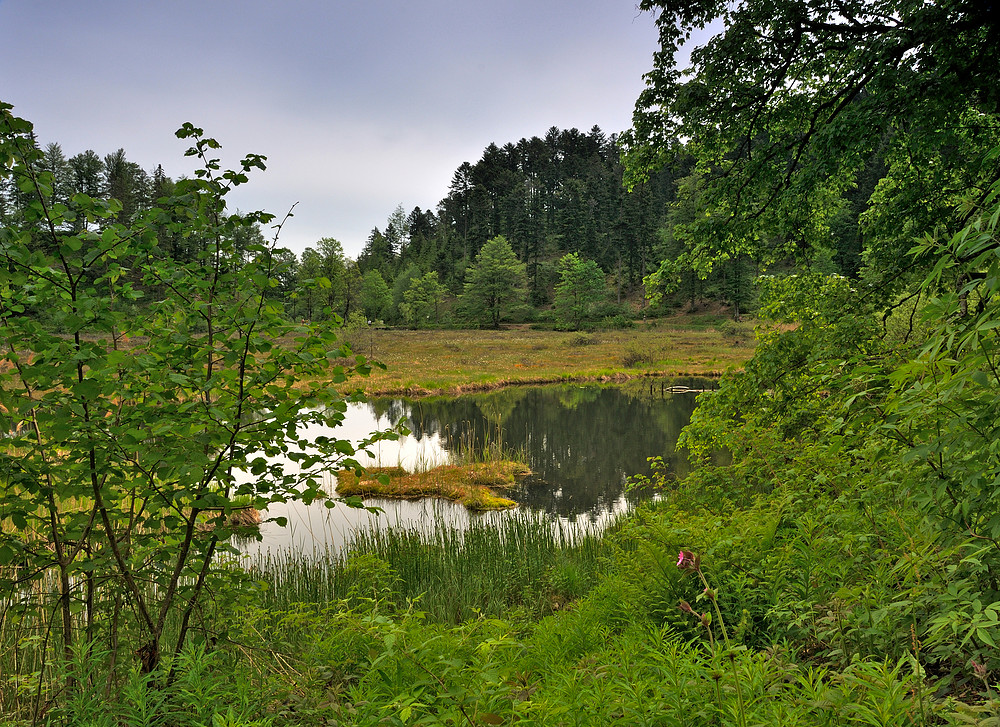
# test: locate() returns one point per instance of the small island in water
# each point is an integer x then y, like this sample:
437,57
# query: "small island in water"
473,485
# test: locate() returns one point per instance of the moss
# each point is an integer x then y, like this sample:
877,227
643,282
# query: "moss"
470,485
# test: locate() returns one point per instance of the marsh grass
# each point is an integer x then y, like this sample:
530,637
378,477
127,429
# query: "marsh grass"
462,361
470,448
472,485
521,561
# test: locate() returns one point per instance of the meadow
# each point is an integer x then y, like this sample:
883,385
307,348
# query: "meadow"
422,362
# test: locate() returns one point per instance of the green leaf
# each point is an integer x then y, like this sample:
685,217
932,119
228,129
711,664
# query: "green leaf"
985,637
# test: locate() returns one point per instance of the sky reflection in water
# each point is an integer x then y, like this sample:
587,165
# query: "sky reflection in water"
581,441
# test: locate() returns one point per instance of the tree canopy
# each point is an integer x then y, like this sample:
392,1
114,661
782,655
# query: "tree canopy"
789,103
495,284
580,287
806,118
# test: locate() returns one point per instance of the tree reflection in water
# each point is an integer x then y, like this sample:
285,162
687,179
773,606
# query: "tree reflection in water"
581,441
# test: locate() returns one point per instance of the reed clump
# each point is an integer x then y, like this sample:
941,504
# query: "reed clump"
473,485
516,564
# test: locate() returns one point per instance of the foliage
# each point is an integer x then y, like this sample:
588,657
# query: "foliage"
907,435
421,301
789,106
944,402
494,284
399,287
694,265
135,430
617,322
581,286
623,654
330,283
376,298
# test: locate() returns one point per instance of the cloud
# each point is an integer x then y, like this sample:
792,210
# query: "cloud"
358,106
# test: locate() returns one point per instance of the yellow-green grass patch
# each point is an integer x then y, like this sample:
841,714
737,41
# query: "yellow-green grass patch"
458,361
471,485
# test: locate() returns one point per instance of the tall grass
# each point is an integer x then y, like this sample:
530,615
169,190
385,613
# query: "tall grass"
34,662
520,561
472,447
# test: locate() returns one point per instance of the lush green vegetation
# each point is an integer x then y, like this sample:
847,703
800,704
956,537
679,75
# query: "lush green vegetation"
546,197
120,467
839,567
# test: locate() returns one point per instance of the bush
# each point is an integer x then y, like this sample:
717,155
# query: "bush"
617,322
606,310
737,333
634,357
583,339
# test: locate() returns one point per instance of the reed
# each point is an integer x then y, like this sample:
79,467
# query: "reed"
500,565
470,448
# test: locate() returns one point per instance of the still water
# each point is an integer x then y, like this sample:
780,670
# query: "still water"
582,443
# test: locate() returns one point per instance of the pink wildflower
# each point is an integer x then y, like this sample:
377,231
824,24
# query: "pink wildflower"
686,560
980,669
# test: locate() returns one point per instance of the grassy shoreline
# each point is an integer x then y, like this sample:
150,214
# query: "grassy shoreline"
426,362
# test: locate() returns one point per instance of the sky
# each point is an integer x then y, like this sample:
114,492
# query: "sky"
359,106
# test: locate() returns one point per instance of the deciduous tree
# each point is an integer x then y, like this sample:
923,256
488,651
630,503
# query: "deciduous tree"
788,103
133,433
376,298
421,301
581,286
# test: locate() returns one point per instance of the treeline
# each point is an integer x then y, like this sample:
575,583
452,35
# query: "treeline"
578,247
547,197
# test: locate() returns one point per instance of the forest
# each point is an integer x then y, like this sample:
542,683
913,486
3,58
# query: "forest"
548,197
832,556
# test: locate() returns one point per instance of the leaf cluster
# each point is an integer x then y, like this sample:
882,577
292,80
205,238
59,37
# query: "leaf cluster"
136,432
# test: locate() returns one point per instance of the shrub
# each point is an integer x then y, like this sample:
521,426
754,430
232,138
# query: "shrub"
634,357
617,322
583,339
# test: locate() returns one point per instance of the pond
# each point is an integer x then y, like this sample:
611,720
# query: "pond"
582,442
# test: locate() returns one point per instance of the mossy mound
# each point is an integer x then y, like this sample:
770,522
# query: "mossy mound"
470,485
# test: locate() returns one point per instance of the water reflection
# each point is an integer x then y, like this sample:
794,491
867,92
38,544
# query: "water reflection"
582,442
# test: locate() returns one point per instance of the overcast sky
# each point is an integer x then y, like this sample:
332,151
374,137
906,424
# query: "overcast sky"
359,105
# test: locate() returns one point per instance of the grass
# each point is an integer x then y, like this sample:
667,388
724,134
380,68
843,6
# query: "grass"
460,361
421,362
522,562
471,485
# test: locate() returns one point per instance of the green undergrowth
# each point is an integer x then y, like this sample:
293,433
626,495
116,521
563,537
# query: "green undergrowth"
838,569
518,565
827,582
